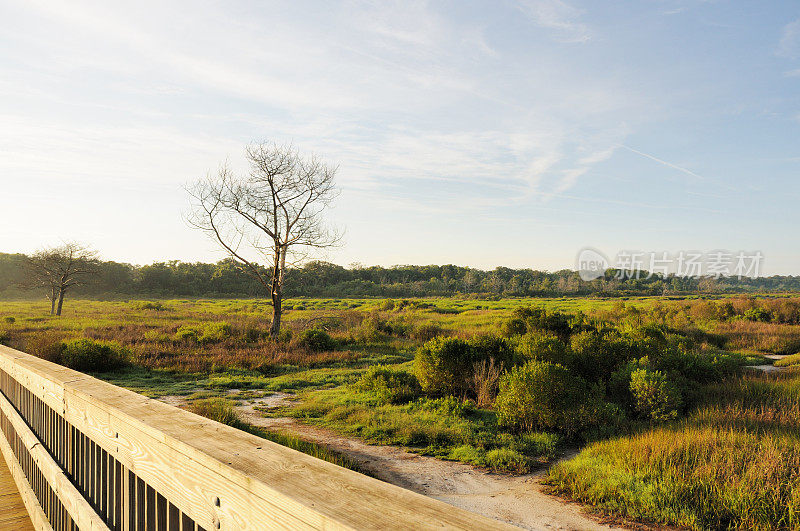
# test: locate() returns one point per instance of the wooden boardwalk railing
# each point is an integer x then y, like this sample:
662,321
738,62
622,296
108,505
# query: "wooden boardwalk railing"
90,455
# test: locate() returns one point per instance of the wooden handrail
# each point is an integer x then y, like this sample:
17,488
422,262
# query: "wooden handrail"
139,461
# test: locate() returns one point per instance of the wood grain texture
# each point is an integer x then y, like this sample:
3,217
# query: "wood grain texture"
224,478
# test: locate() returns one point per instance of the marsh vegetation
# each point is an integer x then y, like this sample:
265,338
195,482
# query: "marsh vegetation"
674,427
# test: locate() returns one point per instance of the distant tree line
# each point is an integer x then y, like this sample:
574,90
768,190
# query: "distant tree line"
322,279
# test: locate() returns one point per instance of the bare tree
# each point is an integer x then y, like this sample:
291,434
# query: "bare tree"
59,269
274,213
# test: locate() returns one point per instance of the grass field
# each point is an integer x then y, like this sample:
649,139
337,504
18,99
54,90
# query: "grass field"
730,459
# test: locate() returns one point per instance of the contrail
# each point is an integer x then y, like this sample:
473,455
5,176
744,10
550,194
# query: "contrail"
664,162
679,168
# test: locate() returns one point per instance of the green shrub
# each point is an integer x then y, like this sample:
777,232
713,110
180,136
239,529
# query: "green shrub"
215,332
514,326
387,305
187,333
488,347
204,333
10,320
466,453
317,340
446,366
93,356
654,396
373,328
284,335
542,347
5,337
448,406
540,318
443,365
758,314
389,386
540,394
595,356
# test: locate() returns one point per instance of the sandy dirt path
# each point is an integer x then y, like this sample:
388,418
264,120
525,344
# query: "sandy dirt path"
517,500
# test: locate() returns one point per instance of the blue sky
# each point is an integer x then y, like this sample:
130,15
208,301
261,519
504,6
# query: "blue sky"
476,133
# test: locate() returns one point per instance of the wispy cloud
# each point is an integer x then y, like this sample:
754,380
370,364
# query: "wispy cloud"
789,45
561,18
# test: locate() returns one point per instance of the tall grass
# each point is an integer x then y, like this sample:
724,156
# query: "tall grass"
734,464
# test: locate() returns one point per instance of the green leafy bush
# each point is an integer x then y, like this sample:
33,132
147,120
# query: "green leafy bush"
443,365
541,394
654,396
540,318
204,333
5,337
10,320
542,347
215,332
446,366
317,340
514,326
448,406
187,333
389,386
93,356
595,356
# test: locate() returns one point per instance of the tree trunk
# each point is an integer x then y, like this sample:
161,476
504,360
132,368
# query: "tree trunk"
61,294
52,297
277,295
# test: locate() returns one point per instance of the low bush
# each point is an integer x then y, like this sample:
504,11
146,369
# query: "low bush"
187,334
317,340
93,356
205,333
446,366
5,337
215,332
514,326
540,394
542,347
443,365
10,320
542,319
389,386
654,396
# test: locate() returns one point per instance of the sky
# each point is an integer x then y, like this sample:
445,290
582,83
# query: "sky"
491,133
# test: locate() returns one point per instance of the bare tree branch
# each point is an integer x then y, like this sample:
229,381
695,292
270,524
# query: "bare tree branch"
274,211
